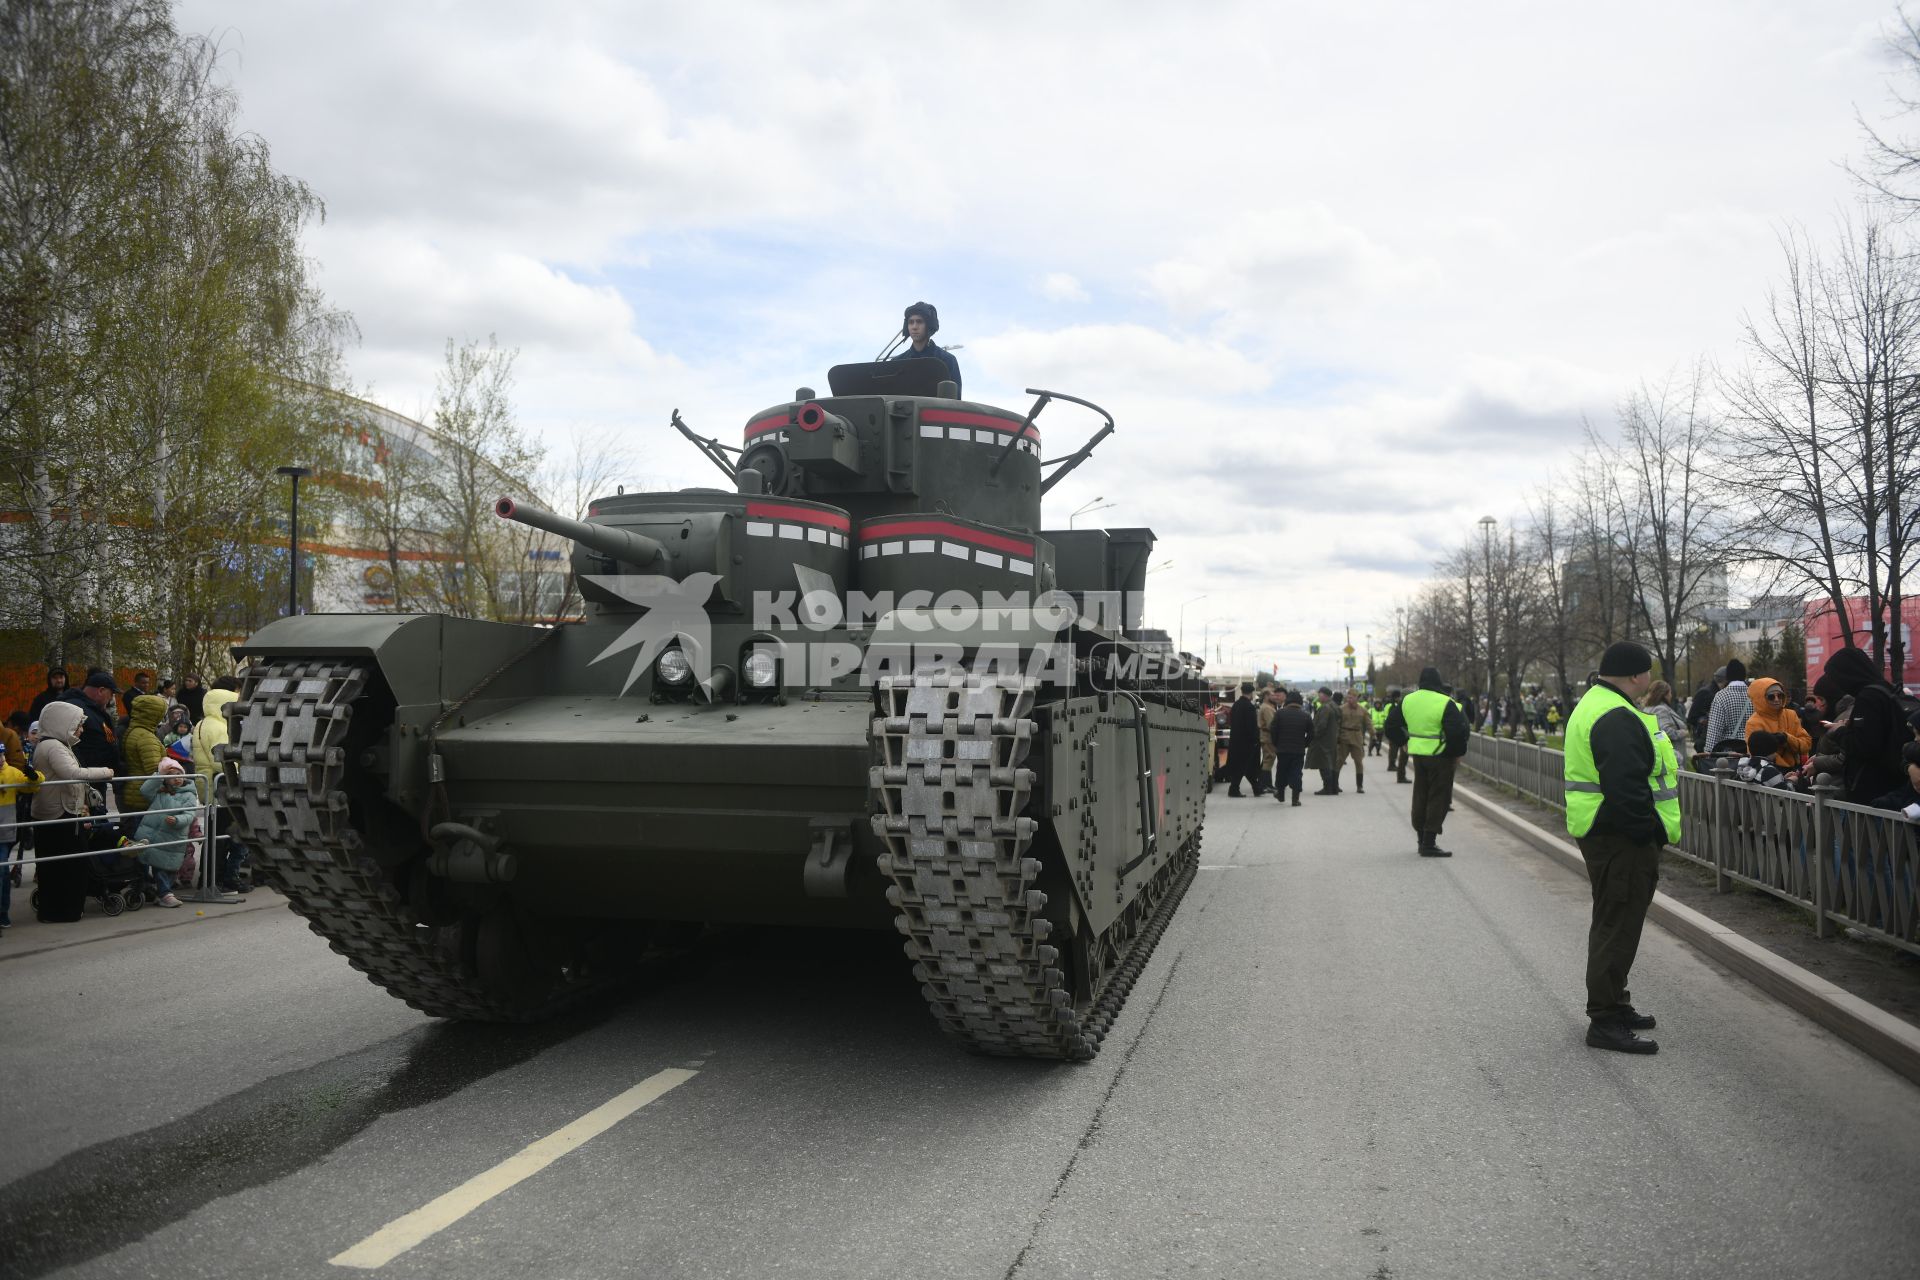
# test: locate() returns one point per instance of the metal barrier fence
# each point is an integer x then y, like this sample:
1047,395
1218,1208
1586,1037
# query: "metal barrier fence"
205,885
1847,864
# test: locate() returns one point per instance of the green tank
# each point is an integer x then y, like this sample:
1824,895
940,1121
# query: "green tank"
857,686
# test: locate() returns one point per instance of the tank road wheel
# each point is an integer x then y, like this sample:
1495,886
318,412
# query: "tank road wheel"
352,864
950,794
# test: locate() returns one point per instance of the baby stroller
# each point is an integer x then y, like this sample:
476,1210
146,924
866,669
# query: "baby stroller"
117,877
115,874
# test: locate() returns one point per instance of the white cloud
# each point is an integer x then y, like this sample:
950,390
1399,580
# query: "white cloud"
1059,286
1275,259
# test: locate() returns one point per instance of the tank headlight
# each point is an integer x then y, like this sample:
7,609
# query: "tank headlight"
673,667
762,670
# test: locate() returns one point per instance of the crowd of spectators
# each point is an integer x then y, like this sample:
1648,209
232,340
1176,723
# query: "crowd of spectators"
60,757
1853,731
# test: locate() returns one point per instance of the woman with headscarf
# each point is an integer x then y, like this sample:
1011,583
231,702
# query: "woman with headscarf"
1772,715
62,884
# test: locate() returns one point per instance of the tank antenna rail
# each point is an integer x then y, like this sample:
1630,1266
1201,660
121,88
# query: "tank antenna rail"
951,792
285,767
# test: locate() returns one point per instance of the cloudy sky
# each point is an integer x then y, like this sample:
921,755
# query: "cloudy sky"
1347,275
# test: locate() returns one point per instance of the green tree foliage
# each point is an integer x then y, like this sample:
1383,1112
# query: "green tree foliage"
157,321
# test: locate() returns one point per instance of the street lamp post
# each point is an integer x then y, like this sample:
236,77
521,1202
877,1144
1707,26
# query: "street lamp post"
293,536
1181,642
1098,504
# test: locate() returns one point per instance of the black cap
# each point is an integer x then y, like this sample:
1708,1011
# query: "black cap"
102,680
1293,698
1736,670
1625,658
1430,678
1246,686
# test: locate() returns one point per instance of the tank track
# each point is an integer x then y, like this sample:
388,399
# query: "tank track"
285,767
951,796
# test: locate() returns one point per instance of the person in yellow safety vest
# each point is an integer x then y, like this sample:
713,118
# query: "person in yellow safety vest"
1435,731
1395,733
1379,717
1623,804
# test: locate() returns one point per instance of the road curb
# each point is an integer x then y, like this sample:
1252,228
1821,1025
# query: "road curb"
1891,1041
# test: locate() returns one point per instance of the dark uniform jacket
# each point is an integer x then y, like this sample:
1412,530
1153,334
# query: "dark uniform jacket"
1291,732
934,351
1623,753
1326,733
1243,749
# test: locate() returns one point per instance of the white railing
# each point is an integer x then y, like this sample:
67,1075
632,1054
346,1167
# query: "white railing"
1847,864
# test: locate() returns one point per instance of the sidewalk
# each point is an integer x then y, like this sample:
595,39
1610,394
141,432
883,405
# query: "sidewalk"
29,936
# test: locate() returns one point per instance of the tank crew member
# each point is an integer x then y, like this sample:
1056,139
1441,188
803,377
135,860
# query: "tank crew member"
1623,804
918,326
1352,742
1243,746
1292,736
1435,731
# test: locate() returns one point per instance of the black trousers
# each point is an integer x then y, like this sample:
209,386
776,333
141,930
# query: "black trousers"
1432,792
1255,776
62,885
1286,773
1623,874
1397,757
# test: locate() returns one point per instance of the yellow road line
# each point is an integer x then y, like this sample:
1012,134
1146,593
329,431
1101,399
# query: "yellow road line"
402,1234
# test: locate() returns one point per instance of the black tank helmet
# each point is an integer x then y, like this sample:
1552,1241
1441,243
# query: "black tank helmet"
926,311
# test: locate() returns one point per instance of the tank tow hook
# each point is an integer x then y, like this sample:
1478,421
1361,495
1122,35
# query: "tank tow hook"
1149,830
469,855
825,875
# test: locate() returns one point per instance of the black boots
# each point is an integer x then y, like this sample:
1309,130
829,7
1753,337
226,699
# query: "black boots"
1430,846
1618,1036
1296,799
1359,787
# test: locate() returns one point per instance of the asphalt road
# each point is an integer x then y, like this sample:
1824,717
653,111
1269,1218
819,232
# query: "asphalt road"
1344,1060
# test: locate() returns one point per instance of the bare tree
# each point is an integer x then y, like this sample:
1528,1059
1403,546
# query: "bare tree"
473,415
1781,459
1872,358
1673,532
1553,609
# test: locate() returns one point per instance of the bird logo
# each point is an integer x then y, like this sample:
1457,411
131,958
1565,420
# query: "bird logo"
676,611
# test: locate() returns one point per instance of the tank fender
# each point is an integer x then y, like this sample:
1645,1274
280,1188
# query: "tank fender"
426,658
429,662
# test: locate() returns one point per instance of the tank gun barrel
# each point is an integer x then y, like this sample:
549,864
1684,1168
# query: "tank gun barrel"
636,549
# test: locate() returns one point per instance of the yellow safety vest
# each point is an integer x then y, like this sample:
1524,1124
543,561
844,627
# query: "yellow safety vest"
1425,711
1584,796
